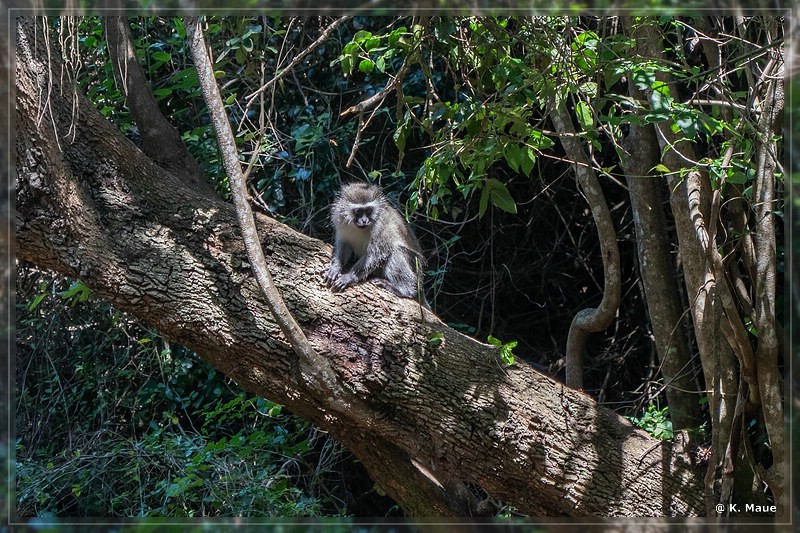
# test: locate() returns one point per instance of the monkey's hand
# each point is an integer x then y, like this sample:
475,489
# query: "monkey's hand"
343,281
332,273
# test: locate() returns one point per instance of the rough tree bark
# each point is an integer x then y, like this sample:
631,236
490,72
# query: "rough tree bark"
96,208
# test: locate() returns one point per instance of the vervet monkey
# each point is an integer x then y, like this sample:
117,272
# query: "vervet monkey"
386,249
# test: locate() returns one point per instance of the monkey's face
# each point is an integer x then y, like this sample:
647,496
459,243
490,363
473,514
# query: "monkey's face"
362,216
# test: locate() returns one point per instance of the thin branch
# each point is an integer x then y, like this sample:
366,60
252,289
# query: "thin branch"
315,369
299,57
591,319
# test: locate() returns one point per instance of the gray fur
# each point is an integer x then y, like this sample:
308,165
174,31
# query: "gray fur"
373,231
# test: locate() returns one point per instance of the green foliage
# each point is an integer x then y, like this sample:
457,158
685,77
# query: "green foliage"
506,350
366,52
435,339
654,421
76,293
113,420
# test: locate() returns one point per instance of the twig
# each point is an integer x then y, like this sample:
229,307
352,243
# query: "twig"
299,57
376,99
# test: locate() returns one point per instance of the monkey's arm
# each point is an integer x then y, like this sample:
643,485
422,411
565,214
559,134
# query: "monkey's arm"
341,253
374,259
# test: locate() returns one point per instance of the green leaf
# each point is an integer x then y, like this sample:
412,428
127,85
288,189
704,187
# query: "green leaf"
737,177
540,140
501,197
395,36
585,116
506,356
78,292
660,98
349,49
661,168
527,163
401,133
362,35
495,341
484,203
177,22
36,301
513,154
687,122
435,339
366,66
347,65
162,56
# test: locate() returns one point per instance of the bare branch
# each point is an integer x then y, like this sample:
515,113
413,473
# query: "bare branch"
591,319
316,369
299,57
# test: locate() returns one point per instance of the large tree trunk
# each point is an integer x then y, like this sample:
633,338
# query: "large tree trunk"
657,273
95,208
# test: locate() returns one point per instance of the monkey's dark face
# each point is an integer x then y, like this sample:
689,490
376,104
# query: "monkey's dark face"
362,216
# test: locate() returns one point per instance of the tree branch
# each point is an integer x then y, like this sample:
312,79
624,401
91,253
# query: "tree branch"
769,380
299,57
589,320
160,140
315,368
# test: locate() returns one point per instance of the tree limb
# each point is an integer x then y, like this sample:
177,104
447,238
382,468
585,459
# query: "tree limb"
160,140
589,320
315,368
769,380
